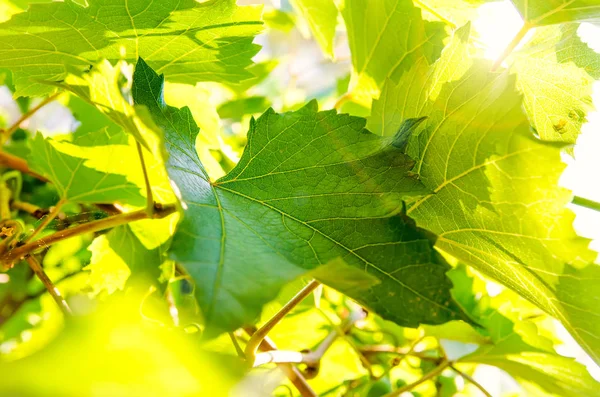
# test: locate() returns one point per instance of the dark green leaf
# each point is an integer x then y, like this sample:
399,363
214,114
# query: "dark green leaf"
310,187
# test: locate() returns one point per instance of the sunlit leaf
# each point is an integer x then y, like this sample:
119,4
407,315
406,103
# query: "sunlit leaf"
76,182
496,203
186,40
380,49
530,360
321,16
555,72
548,12
114,352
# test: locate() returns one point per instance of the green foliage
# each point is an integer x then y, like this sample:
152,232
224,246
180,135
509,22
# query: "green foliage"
322,19
548,12
76,182
205,201
276,204
379,49
188,41
555,74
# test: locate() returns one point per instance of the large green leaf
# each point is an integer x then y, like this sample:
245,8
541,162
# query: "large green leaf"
548,12
495,201
310,187
186,40
380,48
77,182
555,72
321,16
517,346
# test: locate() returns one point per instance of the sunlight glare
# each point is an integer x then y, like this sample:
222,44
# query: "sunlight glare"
497,23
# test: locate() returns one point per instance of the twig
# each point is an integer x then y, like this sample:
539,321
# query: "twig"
31,209
149,199
49,218
6,134
91,227
512,45
438,370
54,292
471,380
236,345
583,202
314,357
387,349
259,335
292,373
17,163
279,357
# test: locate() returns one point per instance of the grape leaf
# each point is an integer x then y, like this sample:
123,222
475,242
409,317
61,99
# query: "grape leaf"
496,204
549,12
186,40
570,48
456,12
120,255
104,87
310,187
380,50
238,108
76,182
321,16
555,74
517,347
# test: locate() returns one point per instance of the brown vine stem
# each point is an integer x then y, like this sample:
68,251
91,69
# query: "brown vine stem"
149,199
49,218
54,292
91,227
31,209
471,380
6,134
259,335
527,26
16,163
438,370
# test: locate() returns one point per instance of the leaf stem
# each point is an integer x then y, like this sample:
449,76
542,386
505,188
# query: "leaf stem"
54,292
17,163
6,134
471,380
342,100
438,370
583,202
527,26
49,218
149,199
91,227
259,335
